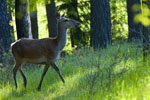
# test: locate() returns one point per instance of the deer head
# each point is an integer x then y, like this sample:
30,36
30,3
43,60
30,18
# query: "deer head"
66,22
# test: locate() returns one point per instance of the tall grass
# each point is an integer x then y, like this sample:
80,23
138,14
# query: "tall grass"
115,73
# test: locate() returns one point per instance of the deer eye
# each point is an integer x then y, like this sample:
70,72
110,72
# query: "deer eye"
66,20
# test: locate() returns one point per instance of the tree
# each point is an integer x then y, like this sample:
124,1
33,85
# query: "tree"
51,17
100,33
134,29
22,18
5,38
33,17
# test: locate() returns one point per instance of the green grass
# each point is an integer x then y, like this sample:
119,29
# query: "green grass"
116,73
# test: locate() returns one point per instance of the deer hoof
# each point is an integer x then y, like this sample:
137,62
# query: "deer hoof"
39,89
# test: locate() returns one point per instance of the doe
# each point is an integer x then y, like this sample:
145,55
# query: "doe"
41,51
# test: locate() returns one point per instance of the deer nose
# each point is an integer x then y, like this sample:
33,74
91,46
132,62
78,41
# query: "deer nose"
78,24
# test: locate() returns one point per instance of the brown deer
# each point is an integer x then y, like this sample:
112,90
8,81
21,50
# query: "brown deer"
42,51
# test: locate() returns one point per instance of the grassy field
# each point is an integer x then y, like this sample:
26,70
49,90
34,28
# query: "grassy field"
116,73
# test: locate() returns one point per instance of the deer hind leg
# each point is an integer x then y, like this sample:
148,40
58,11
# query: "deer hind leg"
16,67
58,71
24,78
43,74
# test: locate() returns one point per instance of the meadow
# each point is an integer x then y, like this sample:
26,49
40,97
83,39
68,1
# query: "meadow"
115,73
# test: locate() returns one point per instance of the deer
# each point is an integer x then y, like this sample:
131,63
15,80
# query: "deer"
41,51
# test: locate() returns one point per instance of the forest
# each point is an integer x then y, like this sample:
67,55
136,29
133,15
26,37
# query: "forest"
74,49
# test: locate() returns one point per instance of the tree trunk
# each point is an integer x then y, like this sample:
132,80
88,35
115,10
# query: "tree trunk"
11,26
134,29
5,37
33,17
145,43
100,33
108,21
51,17
23,24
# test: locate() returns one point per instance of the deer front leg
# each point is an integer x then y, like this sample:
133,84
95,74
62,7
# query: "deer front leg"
43,74
24,78
58,71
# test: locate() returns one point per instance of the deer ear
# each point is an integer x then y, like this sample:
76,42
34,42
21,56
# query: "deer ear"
63,15
57,15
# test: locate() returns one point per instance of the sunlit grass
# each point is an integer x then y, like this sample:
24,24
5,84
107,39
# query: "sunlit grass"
116,73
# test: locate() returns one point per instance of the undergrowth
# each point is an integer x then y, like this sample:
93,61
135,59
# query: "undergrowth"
115,73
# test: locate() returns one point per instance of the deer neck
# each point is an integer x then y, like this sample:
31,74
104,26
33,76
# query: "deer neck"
62,36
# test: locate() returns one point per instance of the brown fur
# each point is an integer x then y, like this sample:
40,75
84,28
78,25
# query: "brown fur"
34,49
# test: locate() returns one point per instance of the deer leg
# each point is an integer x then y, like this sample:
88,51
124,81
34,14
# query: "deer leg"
43,74
16,66
24,78
58,71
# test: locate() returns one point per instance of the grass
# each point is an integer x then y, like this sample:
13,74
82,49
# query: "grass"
116,73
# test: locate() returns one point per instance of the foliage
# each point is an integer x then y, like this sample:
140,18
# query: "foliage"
106,74
119,19
11,5
144,16
84,13
5,69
